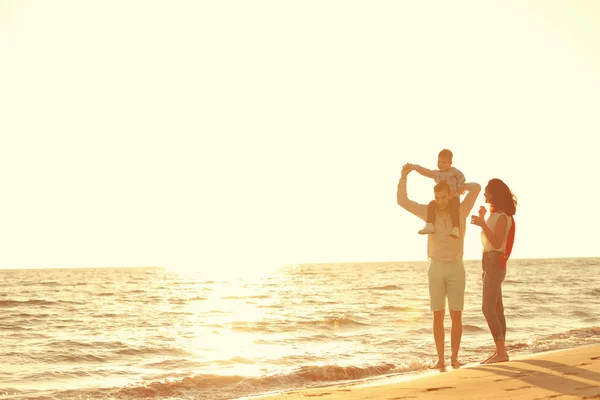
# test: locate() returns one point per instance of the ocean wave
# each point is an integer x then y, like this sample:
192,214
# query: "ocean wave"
27,315
34,302
580,333
66,355
400,308
167,323
112,315
472,328
563,340
44,283
74,344
220,387
318,338
16,303
6,392
315,338
149,351
333,322
320,302
328,373
184,300
175,363
234,361
75,358
420,331
6,327
516,346
391,343
583,314
261,296
56,375
292,326
386,287
260,327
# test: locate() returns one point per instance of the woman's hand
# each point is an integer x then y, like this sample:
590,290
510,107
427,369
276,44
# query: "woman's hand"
479,220
482,212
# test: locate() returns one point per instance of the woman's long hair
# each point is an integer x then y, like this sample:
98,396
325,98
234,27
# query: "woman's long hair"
501,198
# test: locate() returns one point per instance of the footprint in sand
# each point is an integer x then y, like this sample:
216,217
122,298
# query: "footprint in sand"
586,387
592,397
439,388
519,388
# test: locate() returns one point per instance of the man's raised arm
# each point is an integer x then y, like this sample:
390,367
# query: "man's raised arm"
467,204
420,210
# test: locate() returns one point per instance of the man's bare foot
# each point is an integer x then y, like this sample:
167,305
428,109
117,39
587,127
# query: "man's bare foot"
496,358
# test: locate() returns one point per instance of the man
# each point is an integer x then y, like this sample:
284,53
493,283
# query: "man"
446,273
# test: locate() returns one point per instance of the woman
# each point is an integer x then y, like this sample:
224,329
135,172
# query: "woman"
497,237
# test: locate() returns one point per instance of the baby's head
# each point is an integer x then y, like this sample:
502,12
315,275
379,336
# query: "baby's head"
444,160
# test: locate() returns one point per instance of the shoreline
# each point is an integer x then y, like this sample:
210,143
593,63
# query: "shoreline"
565,373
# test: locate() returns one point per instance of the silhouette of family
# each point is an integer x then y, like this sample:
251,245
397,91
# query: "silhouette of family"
445,221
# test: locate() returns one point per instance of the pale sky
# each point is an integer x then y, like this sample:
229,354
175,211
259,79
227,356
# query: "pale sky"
242,135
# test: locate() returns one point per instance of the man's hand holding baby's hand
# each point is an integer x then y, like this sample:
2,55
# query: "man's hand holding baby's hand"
405,170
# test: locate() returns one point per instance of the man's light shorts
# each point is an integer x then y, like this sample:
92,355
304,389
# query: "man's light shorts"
446,279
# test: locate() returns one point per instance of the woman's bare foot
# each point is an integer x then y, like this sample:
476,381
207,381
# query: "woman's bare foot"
488,359
439,365
455,363
496,358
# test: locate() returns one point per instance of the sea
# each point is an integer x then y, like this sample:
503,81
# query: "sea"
152,333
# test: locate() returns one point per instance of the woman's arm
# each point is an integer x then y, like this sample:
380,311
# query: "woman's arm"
495,237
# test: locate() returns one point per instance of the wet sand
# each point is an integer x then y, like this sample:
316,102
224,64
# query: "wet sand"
564,374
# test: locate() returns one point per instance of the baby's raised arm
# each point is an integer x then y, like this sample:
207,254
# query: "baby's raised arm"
424,171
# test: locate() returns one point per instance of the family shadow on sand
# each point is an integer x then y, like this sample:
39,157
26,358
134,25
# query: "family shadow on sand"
560,378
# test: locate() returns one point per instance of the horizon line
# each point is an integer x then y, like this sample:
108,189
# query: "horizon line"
290,264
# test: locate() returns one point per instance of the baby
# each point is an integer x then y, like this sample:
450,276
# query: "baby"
455,179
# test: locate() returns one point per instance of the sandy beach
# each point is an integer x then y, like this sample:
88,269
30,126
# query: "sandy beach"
565,374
